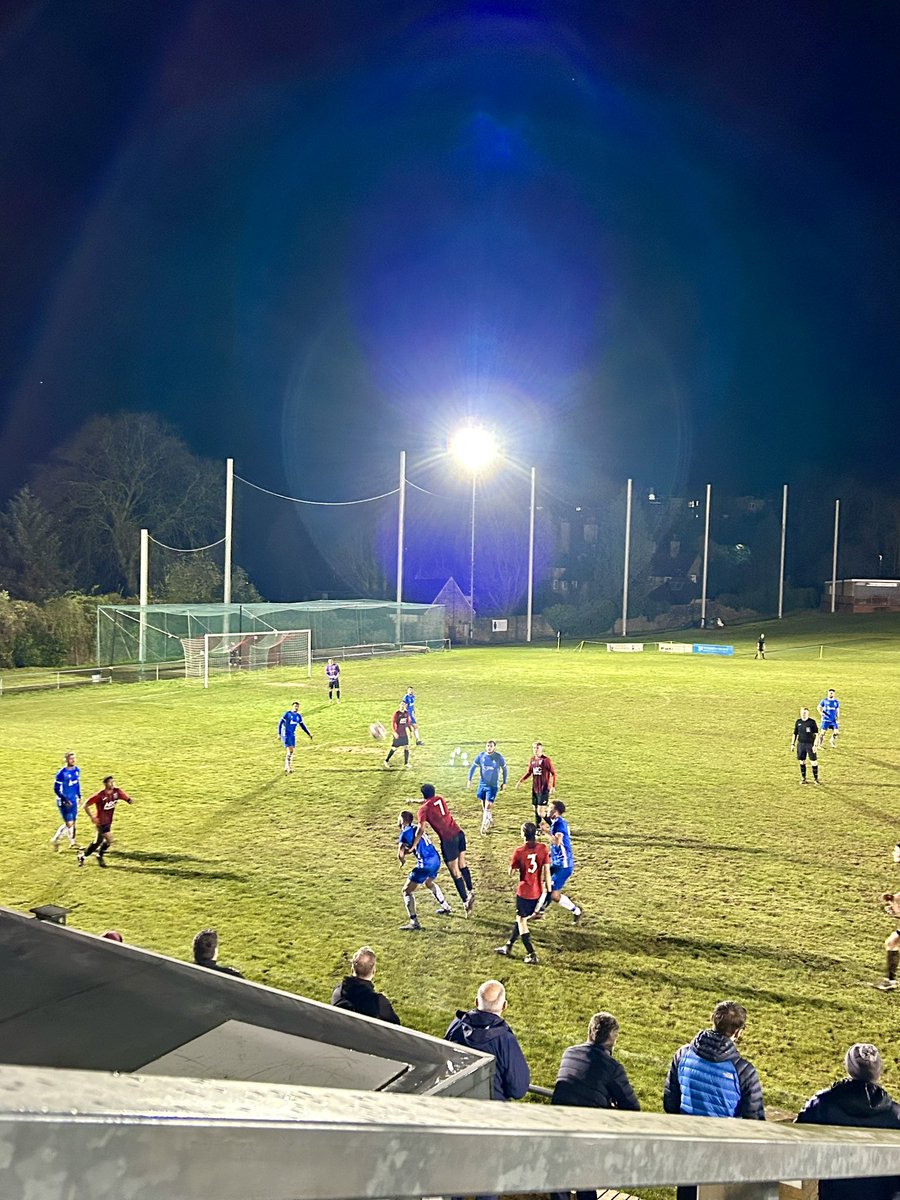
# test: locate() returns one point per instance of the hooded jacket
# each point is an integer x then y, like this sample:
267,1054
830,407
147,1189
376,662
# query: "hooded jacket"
359,996
489,1033
708,1078
862,1105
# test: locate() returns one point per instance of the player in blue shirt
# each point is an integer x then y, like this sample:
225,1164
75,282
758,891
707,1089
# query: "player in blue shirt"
829,710
562,860
67,787
410,701
492,765
287,731
428,863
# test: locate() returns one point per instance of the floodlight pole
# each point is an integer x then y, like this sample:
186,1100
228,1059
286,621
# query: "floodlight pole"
472,563
143,595
837,521
401,528
705,558
783,543
627,558
528,618
229,523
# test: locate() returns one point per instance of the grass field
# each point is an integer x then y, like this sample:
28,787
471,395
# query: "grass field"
704,870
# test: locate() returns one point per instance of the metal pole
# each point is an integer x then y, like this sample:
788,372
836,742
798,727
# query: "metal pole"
837,520
783,542
705,558
528,616
472,560
143,600
627,559
401,523
229,522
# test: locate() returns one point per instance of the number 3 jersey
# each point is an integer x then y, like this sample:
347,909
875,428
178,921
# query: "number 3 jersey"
529,861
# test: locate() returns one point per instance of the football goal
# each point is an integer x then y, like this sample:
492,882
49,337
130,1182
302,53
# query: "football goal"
218,653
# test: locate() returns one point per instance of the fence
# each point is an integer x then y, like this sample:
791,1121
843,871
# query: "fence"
78,1133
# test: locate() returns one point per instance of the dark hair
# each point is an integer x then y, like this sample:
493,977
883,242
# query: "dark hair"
729,1017
602,1028
107,779
407,817
529,831
206,942
427,790
558,805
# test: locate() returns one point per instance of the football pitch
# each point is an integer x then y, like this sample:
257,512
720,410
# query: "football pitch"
705,871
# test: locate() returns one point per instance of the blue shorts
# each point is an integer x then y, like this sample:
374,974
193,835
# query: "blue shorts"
486,793
68,809
559,876
423,874
290,741
826,725
412,716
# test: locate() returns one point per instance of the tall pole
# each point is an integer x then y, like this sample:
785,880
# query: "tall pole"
229,522
783,543
401,532
531,555
143,595
627,559
705,558
472,561
837,521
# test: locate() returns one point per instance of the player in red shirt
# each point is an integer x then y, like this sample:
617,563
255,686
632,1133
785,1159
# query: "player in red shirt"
532,862
543,783
401,723
435,812
101,808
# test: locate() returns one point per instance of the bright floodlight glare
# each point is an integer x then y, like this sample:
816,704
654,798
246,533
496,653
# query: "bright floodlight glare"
474,447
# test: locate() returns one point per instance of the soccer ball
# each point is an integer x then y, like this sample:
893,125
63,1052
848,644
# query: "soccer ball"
377,731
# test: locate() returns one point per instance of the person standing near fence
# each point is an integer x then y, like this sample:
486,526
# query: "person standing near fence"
333,675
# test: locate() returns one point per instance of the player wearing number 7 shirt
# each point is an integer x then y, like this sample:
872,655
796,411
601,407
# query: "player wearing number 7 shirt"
541,772
532,861
435,812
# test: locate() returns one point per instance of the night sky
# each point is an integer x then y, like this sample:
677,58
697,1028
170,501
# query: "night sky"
657,239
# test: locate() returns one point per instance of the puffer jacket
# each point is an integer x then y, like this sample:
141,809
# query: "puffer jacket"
708,1078
359,996
864,1106
489,1033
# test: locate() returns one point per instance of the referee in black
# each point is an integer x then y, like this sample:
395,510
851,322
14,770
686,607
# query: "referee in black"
805,733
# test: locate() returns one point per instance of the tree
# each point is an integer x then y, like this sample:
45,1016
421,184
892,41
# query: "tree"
198,579
31,557
120,474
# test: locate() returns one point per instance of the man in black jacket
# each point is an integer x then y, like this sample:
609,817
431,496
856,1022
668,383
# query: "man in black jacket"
357,991
858,1101
206,953
589,1077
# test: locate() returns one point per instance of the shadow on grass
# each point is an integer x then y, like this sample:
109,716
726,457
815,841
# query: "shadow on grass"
155,856
184,873
678,842
867,810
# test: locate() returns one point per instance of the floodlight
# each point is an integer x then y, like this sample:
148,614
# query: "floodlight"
474,447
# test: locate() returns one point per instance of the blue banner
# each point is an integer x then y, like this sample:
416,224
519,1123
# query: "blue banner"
703,648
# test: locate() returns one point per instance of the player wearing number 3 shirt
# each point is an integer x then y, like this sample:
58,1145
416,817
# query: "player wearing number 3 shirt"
435,812
532,862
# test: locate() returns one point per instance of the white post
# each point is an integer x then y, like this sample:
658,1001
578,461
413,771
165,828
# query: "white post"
837,519
627,559
472,564
401,521
143,595
531,555
229,522
783,543
705,558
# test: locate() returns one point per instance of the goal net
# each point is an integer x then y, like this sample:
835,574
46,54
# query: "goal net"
218,653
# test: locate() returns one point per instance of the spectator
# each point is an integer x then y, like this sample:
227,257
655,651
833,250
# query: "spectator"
484,1029
589,1077
357,991
859,1101
708,1077
113,935
206,953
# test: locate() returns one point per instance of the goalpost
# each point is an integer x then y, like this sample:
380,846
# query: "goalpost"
224,653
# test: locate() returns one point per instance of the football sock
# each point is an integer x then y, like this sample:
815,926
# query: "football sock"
565,902
467,877
513,937
71,833
526,942
59,833
390,755
460,887
90,850
815,770
803,770
893,956
438,895
410,902
406,757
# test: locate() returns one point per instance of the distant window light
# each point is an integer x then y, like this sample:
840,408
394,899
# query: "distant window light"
693,579
651,496
578,508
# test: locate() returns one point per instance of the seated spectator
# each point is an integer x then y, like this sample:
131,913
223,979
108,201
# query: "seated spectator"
859,1101
206,953
589,1077
357,991
113,935
708,1077
483,1028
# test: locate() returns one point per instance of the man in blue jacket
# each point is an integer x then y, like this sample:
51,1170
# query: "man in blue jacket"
484,1029
709,1078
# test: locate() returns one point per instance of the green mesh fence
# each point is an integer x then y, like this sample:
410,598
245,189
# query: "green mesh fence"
128,633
